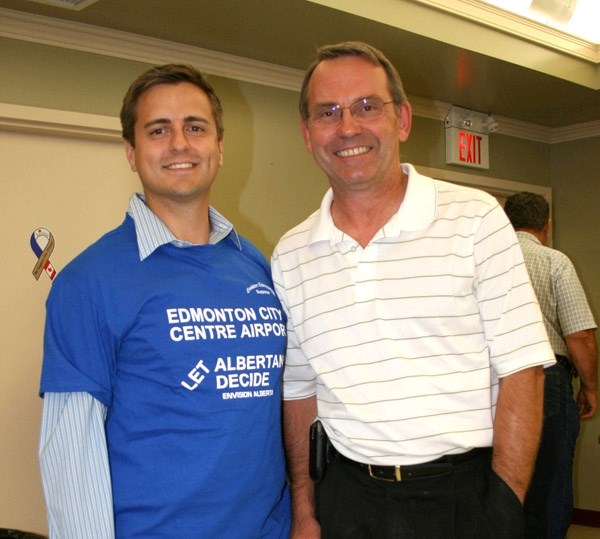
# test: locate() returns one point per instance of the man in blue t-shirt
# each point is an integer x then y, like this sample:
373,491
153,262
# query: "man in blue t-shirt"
163,350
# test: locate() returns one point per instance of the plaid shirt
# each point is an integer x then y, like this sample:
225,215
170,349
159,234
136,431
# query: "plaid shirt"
559,291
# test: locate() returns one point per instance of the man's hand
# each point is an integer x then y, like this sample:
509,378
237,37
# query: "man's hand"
587,400
583,352
305,529
298,415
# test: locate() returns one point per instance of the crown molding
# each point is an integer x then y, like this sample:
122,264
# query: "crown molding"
516,25
113,43
475,26
43,121
437,110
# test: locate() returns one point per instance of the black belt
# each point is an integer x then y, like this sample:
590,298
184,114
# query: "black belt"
415,471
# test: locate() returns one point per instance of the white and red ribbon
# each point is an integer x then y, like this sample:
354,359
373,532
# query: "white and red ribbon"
42,250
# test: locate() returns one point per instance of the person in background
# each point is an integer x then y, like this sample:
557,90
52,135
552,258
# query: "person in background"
414,335
163,349
571,329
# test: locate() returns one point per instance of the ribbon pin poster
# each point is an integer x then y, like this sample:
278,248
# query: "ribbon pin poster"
42,245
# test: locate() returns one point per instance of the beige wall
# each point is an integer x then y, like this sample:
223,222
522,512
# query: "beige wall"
576,196
79,189
74,188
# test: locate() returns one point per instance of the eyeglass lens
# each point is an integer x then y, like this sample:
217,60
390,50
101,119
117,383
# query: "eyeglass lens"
363,110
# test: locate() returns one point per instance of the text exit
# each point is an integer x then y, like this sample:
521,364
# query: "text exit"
467,148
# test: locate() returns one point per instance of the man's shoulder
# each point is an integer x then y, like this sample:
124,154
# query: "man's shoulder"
530,242
449,192
298,236
249,250
560,259
458,204
106,252
464,193
534,250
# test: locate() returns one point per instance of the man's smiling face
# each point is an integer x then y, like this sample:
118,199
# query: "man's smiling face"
177,152
354,154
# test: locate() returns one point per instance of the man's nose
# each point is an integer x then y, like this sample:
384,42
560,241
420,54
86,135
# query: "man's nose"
179,139
348,123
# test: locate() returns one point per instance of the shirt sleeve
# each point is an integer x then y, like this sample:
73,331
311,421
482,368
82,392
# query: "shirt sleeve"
80,346
74,466
299,378
573,311
511,316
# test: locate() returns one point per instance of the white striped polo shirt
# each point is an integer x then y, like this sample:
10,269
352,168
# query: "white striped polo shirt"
403,341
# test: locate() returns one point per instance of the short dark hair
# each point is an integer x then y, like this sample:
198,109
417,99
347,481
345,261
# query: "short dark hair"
527,210
361,50
166,74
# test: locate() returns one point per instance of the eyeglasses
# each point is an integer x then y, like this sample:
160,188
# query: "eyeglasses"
363,110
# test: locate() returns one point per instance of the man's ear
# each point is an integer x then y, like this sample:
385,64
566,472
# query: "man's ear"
221,145
545,233
404,120
305,135
130,153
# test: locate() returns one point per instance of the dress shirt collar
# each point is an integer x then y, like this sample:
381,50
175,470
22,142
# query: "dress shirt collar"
151,232
522,235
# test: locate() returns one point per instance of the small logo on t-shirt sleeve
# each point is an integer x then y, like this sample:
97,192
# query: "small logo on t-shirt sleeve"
260,288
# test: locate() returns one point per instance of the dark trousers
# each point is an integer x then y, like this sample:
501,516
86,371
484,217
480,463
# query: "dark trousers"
468,502
549,502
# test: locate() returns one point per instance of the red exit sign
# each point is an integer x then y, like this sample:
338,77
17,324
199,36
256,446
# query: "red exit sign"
467,148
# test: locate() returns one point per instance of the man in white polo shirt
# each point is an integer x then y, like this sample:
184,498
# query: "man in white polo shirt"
414,335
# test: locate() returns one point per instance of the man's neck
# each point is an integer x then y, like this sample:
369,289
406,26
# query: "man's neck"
539,234
188,221
362,214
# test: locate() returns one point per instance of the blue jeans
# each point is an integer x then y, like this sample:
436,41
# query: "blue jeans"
549,502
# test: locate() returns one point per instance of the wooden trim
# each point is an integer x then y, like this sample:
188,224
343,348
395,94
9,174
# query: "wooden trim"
586,517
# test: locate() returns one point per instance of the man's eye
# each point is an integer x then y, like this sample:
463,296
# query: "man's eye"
368,106
324,114
157,132
197,129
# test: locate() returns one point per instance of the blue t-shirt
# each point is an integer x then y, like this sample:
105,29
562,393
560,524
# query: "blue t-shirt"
186,349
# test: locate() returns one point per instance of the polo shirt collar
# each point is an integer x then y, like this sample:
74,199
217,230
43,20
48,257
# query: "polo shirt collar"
416,212
527,236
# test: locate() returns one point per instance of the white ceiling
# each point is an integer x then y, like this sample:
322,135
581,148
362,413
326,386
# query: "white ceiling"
451,51
576,17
